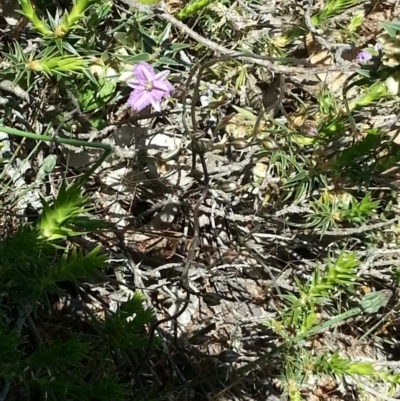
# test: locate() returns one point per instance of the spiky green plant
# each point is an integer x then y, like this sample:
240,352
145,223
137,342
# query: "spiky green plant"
329,10
70,365
301,321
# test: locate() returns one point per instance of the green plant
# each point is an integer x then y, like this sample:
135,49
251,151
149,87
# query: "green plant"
36,267
301,321
333,209
292,178
192,8
350,31
300,312
325,214
358,212
329,10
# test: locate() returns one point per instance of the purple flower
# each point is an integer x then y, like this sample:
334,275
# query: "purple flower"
365,56
149,87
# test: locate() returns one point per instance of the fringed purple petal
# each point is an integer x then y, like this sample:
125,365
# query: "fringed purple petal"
157,95
139,99
134,83
160,88
156,105
164,86
161,76
144,72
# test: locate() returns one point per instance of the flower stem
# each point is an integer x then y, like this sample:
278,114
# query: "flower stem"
74,142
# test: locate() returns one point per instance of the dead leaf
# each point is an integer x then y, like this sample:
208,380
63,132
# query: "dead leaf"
334,80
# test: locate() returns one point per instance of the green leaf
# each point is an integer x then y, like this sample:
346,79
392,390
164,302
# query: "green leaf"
22,247
72,387
245,113
358,150
373,301
360,368
134,59
192,8
144,2
148,43
74,266
98,121
59,44
123,329
364,72
60,353
69,48
55,221
49,163
177,46
168,61
374,92
391,27
165,34
9,343
93,97
88,224
91,77
298,177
